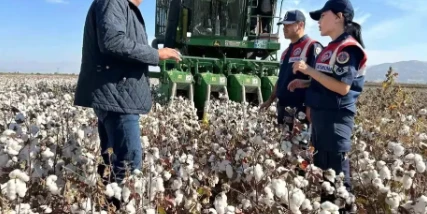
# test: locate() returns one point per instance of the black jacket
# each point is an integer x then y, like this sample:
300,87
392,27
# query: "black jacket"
115,59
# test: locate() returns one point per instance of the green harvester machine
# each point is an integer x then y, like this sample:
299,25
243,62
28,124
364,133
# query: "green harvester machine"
224,48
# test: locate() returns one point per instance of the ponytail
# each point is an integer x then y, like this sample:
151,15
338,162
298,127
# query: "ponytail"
355,30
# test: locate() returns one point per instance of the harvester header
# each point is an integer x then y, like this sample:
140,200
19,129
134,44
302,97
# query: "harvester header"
227,46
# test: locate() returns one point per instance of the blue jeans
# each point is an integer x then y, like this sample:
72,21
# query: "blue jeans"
121,133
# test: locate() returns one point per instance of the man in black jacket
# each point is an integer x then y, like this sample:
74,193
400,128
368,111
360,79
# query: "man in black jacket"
114,79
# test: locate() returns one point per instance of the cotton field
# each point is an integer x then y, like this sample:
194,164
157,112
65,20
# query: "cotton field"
237,162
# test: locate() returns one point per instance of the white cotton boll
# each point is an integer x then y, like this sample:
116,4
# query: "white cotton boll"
411,119
301,115
297,197
258,173
230,209
407,179
409,158
361,146
221,150
397,163
126,192
80,134
393,200
277,153
46,154
384,189
316,205
109,191
23,209
286,146
377,182
212,211
246,204
229,171
46,209
51,184
422,145
279,187
330,175
145,142
268,198
420,206
300,182
12,147
404,130
86,204
422,137
19,175
220,203
176,184
421,166
342,192
306,205
329,207
150,211
9,189
281,169
270,163
397,174
418,158
159,184
166,175
328,188
113,189
179,197
384,171
8,133
351,199
398,150
422,112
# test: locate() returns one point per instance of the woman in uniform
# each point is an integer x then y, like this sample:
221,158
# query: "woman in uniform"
337,81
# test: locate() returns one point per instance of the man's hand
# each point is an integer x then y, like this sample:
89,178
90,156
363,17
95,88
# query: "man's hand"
168,53
297,83
265,105
300,66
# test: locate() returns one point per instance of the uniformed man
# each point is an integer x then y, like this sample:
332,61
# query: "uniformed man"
290,88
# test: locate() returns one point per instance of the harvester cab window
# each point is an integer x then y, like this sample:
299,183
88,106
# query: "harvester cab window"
261,16
216,17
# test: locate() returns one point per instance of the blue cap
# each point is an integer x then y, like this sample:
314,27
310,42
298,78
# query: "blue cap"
291,17
336,6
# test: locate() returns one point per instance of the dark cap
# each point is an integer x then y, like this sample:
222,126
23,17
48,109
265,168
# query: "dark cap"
291,17
336,6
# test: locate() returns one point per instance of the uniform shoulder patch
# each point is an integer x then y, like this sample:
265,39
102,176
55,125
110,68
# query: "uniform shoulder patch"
343,57
318,50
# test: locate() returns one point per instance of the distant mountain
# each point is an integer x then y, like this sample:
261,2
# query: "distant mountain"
409,71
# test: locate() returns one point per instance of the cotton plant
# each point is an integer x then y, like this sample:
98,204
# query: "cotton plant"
195,166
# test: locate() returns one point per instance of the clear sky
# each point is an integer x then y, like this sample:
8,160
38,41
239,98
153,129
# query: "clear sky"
46,35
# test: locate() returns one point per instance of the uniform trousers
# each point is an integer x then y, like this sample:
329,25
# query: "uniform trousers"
331,139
